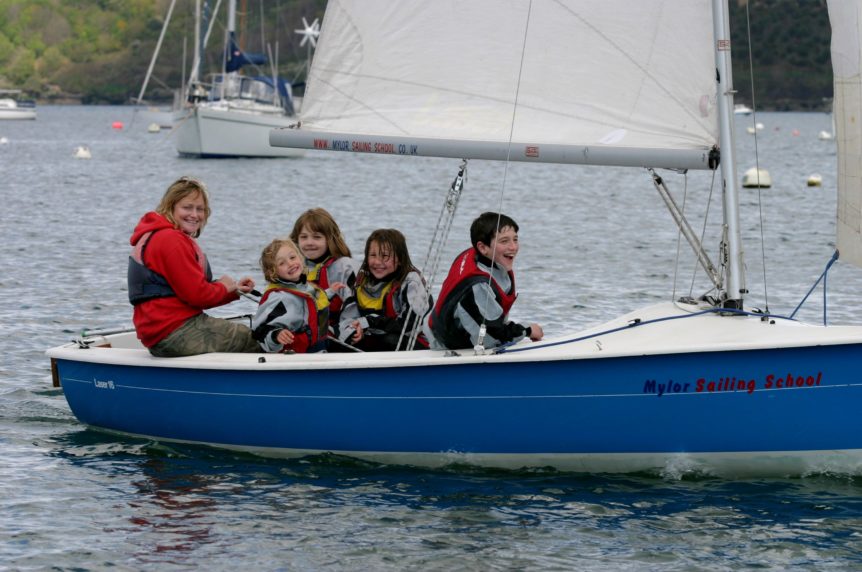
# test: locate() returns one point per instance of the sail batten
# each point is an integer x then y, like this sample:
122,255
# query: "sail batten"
613,76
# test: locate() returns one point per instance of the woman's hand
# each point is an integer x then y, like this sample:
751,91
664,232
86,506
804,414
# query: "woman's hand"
245,284
229,283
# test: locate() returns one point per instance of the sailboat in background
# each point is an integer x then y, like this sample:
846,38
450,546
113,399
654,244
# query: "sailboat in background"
11,107
701,383
232,116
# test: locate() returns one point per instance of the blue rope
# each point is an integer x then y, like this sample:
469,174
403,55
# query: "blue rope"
636,323
822,277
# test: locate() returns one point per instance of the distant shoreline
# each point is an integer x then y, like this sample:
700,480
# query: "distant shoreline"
79,101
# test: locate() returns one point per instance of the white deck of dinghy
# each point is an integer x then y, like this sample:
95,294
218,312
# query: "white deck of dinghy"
685,332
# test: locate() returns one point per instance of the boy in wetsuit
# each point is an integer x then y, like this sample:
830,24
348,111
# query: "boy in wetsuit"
480,290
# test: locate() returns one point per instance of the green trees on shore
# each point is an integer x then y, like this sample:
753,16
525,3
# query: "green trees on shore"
97,51
790,52
48,47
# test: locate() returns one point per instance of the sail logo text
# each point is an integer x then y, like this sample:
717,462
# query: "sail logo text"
365,147
732,384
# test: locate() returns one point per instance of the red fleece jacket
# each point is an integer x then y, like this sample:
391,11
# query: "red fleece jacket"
177,257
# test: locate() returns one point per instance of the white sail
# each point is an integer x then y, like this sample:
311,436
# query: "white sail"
846,20
594,77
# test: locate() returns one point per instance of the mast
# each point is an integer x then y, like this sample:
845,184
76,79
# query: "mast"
231,17
195,90
732,243
228,45
196,59
156,51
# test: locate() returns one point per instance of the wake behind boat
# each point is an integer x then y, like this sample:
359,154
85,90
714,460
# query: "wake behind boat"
698,384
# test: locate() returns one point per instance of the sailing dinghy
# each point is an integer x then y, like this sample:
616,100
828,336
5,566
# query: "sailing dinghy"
697,383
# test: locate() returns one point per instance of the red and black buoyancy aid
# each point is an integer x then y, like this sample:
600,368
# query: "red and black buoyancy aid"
312,338
463,274
146,284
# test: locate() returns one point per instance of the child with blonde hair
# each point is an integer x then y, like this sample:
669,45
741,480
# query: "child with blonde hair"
293,315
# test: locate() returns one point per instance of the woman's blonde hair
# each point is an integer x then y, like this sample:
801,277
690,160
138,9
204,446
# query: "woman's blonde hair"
180,189
319,220
267,257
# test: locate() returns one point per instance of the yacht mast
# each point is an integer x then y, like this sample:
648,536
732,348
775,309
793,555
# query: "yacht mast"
196,60
732,243
231,17
156,52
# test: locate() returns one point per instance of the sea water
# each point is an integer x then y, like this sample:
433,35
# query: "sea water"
595,243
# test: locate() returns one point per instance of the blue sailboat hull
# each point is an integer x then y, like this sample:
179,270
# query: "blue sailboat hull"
630,413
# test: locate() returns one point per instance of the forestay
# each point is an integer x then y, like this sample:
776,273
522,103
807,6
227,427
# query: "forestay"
846,20
611,82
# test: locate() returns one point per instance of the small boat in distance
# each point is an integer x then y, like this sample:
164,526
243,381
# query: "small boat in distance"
11,107
741,109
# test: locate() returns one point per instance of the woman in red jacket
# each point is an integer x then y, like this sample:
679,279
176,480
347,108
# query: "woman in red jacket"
171,284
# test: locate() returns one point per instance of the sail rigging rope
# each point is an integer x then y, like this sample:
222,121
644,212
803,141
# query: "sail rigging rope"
757,156
435,251
480,340
506,348
679,242
685,230
705,221
822,277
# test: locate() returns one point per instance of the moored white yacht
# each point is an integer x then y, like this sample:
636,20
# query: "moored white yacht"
12,108
232,116
235,119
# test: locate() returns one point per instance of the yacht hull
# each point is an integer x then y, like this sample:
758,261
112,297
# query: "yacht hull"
18,113
205,131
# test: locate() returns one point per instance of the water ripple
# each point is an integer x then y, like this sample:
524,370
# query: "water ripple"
73,498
